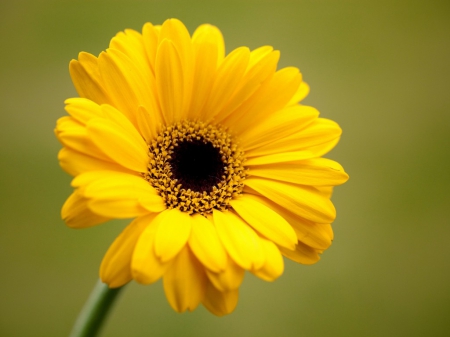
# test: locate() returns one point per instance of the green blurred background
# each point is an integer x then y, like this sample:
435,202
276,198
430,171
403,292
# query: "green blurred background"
381,69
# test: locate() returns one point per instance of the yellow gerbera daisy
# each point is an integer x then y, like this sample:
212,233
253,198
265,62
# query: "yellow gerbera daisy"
211,154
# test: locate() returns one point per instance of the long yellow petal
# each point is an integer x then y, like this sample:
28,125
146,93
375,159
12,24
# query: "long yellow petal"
322,131
262,65
146,267
263,219
229,279
87,178
115,269
302,254
175,31
274,266
170,81
314,172
152,203
132,50
74,163
114,194
210,34
117,208
315,235
131,44
150,39
240,241
226,80
83,109
272,96
185,282
284,123
74,135
126,83
148,123
206,51
300,95
118,145
304,201
87,80
172,234
220,302
124,124
205,244
76,213
284,157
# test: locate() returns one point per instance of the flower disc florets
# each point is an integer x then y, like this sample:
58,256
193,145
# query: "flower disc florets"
196,167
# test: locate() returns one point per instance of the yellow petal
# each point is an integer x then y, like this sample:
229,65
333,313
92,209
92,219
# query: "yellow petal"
274,266
226,80
263,63
152,203
311,152
206,245
87,80
146,267
115,269
76,214
322,131
124,124
87,178
209,34
149,124
83,109
304,201
150,39
114,194
314,172
315,235
272,96
131,44
175,31
206,52
74,135
228,279
185,282
119,145
132,51
126,83
300,95
220,302
170,81
302,254
74,163
258,54
326,191
240,241
265,220
117,185
172,234
284,123
117,208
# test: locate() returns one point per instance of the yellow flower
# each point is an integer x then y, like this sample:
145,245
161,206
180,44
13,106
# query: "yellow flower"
211,154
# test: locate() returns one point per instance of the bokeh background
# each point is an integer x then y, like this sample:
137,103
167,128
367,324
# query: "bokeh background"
381,69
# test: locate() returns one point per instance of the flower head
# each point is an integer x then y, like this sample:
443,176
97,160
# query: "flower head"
212,156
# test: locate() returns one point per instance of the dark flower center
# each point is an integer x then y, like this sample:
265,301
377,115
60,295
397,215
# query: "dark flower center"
197,165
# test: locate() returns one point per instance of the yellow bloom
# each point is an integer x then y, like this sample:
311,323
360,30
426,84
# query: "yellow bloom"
211,154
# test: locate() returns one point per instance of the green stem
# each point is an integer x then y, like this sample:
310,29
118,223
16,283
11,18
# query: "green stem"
95,311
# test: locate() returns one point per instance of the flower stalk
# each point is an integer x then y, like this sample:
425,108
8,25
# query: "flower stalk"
95,311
